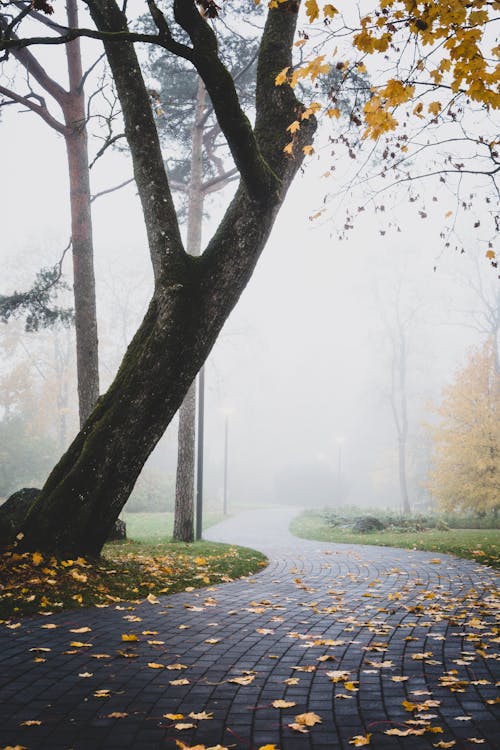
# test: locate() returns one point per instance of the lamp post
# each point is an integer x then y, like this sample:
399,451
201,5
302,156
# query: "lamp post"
199,461
340,443
227,411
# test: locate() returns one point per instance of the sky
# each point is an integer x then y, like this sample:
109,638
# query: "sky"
301,370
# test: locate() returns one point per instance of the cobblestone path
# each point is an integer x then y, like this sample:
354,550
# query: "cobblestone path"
370,639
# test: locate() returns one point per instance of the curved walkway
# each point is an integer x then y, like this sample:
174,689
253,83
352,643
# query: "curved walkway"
368,639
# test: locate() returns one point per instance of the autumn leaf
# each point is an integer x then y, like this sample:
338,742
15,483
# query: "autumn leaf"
201,716
129,637
360,739
79,644
105,693
37,558
308,719
117,715
154,665
182,681
283,704
184,726
442,743
176,666
173,717
246,680
30,723
78,630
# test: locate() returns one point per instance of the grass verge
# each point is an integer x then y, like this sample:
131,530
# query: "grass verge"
482,545
129,571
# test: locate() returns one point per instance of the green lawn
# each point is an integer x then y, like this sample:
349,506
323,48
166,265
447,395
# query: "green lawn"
159,527
482,545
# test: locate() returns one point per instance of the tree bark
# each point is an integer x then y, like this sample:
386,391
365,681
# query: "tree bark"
192,299
184,482
87,364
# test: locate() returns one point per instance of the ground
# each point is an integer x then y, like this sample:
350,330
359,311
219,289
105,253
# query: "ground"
384,646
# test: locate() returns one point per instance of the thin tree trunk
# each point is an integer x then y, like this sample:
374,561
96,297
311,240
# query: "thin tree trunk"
81,228
184,483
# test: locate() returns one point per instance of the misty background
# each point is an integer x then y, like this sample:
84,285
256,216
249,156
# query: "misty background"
302,369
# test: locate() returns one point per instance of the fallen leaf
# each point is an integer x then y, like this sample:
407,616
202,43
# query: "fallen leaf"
308,719
79,644
246,680
129,637
182,681
152,599
298,728
202,715
116,715
442,743
154,665
74,630
176,666
360,739
173,717
184,726
30,723
283,704
86,674
105,693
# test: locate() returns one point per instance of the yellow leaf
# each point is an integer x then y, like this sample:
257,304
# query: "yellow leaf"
129,637
30,723
434,108
293,127
308,150
176,666
37,558
102,693
152,599
281,78
329,10
173,717
442,743
288,149
154,665
283,704
333,112
79,644
308,719
80,577
360,739
298,727
200,560
490,254
117,715
182,681
246,680
312,10
80,630
184,726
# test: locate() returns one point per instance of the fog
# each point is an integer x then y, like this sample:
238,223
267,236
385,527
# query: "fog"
302,369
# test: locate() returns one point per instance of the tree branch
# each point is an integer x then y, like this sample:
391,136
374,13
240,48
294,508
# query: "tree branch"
33,67
40,110
255,172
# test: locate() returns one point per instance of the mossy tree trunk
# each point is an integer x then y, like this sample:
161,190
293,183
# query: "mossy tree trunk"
193,296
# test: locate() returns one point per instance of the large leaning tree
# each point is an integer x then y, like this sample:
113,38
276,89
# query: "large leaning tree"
192,296
439,73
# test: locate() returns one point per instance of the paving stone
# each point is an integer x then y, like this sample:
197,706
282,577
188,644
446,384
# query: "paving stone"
320,591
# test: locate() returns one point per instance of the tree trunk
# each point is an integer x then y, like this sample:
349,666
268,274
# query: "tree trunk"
193,297
81,228
184,481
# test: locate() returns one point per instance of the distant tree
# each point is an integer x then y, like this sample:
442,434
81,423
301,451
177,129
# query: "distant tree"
466,473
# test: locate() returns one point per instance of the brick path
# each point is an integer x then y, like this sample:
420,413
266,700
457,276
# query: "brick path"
372,609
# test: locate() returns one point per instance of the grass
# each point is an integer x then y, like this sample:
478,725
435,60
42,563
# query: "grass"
482,545
130,571
159,526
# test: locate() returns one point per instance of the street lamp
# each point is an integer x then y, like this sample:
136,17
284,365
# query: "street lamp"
227,411
340,443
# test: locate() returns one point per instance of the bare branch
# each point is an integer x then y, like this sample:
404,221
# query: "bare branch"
111,190
40,109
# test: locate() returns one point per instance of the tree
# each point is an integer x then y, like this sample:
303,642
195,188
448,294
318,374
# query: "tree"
466,473
192,297
74,131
